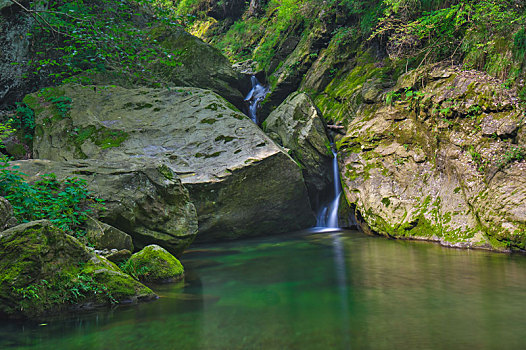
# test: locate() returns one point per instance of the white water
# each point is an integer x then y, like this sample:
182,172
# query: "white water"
328,215
254,97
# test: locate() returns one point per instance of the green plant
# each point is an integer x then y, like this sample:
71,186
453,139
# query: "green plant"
62,104
515,154
29,292
97,36
24,121
131,268
391,97
5,131
66,203
478,159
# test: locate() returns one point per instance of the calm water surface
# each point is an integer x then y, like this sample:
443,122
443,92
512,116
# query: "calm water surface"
338,290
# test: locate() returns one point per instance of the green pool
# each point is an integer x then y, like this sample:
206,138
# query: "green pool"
324,290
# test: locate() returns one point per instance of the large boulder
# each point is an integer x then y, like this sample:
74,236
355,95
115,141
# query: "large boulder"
298,125
154,264
240,181
43,270
146,201
443,161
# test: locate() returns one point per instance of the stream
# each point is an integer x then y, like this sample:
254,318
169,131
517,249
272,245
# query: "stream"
325,289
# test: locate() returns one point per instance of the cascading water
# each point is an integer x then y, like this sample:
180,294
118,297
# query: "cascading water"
328,215
254,97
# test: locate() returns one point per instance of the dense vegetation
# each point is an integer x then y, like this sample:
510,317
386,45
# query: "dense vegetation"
65,203
485,35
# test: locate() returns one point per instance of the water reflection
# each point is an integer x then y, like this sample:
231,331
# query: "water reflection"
324,290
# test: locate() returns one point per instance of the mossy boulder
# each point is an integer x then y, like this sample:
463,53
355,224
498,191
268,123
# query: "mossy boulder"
240,181
154,264
299,126
443,161
43,271
146,201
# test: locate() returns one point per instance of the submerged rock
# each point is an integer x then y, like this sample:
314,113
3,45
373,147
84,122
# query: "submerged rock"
146,201
43,270
154,264
240,181
442,163
298,125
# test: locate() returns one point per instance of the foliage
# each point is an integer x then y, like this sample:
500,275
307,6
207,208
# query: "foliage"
439,32
132,268
24,121
66,203
5,131
65,288
62,104
515,154
96,36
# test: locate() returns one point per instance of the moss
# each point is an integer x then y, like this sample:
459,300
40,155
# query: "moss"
208,121
106,138
204,155
154,264
166,172
386,201
224,138
43,271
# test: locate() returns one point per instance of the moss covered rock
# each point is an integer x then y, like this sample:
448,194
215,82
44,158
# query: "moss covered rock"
154,264
43,271
146,201
240,181
441,161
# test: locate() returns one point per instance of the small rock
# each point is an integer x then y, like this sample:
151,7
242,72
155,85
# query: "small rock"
155,264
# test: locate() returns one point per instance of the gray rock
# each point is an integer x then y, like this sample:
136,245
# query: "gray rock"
104,236
5,3
240,181
146,201
298,125
6,214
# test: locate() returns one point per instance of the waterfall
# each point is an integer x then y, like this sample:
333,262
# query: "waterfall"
328,214
254,97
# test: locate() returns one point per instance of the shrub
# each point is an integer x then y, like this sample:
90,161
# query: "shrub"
66,203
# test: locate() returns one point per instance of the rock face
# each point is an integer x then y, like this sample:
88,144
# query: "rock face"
444,162
155,264
14,52
40,266
241,183
6,214
298,125
146,201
